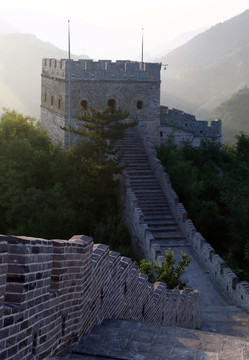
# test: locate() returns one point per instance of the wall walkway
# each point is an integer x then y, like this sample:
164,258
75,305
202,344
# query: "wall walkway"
158,221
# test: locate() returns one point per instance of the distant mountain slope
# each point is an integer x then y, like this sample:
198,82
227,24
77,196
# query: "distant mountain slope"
235,114
20,71
209,68
162,50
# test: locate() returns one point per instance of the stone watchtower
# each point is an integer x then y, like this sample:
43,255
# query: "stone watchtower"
131,86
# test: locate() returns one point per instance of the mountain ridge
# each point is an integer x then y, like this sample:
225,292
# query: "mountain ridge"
209,68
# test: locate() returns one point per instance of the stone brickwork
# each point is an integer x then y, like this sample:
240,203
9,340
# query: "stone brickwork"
186,129
53,291
131,86
237,291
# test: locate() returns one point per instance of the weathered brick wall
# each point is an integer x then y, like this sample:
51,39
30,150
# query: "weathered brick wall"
185,128
53,291
124,82
225,278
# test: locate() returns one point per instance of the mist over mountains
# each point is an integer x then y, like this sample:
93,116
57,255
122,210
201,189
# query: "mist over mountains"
20,71
209,68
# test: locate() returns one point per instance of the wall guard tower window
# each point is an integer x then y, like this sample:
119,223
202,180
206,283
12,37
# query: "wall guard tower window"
111,106
83,105
139,105
45,97
52,100
59,103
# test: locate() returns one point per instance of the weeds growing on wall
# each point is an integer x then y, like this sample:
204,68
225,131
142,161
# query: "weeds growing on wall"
169,272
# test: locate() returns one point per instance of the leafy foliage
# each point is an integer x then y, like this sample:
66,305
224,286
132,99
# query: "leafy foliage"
169,272
215,192
47,192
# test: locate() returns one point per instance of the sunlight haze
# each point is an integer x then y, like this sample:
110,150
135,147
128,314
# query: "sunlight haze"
113,29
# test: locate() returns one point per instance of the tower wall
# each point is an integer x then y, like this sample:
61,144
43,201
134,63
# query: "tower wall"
131,86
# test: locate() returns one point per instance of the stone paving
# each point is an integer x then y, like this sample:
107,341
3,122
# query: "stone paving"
129,340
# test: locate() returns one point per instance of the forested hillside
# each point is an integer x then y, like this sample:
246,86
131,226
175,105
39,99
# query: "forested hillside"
215,193
50,193
234,113
208,69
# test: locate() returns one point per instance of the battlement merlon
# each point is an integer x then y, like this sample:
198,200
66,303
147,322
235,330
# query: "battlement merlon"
178,119
125,70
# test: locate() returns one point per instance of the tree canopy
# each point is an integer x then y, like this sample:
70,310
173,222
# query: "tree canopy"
215,193
51,193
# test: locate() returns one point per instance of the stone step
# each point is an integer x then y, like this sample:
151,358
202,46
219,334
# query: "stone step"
153,205
146,181
145,192
153,200
162,228
155,211
138,177
166,235
160,222
139,172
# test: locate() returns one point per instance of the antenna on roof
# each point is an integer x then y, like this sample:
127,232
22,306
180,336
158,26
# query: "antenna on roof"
142,45
69,86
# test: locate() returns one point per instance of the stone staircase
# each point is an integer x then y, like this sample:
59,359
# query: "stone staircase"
148,192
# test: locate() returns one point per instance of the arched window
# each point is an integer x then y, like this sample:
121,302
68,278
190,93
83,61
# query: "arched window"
83,105
139,105
111,106
59,103
52,100
45,97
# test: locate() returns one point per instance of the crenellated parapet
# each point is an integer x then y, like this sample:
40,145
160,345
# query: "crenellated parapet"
220,273
53,291
102,70
185,128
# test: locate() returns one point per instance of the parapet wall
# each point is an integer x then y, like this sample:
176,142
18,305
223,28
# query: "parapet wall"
102,70
53,291
178,121
225,278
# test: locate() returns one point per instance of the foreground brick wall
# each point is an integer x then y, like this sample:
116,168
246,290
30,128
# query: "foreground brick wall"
51,292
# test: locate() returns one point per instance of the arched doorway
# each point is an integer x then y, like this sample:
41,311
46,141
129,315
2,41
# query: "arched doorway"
111,106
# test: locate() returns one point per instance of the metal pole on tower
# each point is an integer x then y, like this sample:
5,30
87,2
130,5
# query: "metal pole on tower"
69,86
142,45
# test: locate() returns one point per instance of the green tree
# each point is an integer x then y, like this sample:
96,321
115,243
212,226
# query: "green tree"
101,130
169,272
47,192
96,156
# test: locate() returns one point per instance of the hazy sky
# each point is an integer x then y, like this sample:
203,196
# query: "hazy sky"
111,29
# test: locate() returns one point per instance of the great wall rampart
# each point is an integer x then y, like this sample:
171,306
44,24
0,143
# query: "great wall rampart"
223,276
53,291
130,85
186,129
